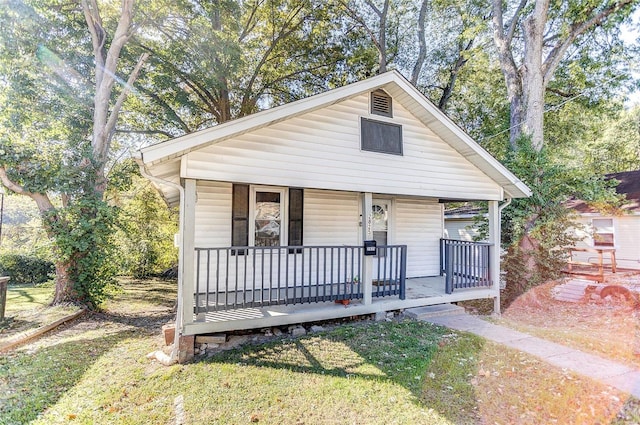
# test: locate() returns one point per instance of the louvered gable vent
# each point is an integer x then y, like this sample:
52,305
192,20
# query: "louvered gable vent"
381,103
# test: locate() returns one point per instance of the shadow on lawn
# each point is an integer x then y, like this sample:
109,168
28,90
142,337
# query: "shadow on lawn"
33,381
443,363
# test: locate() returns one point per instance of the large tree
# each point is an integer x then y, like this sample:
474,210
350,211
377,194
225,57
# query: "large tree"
535,40
213,61
64,88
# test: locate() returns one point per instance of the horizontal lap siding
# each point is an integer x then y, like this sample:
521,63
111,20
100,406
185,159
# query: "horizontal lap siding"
626,236
213,214
462,229
330,218
321,149
418,224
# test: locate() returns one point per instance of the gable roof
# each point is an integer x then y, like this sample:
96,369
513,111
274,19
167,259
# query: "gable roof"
629,185
162,159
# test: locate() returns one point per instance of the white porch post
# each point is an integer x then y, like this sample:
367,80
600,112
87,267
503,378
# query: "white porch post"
494,252
367,234
188,250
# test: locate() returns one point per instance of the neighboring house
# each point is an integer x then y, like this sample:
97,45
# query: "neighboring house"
620,231
337,198
460,223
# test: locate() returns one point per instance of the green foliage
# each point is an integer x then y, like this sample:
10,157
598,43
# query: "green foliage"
82,235
145,230
25,270
535,230
618,147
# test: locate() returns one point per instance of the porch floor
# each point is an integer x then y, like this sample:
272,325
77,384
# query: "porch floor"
421,291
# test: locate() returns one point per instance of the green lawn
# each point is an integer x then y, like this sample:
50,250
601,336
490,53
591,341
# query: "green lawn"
27,297
361,373
28,308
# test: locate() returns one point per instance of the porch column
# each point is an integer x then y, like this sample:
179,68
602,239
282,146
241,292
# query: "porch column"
188,250
367,234
494,252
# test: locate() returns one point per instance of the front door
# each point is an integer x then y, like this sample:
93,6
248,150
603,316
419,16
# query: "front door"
380,222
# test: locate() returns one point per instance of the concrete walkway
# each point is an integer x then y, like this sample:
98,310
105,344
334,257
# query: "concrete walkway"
622,377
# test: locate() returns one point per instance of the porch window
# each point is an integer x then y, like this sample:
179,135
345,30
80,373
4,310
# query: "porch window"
603,234
268,215
267,208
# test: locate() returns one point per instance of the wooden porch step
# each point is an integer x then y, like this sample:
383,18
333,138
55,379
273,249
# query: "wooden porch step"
438,310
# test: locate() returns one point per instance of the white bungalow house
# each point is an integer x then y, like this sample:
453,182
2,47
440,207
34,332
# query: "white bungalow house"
604,231
327,207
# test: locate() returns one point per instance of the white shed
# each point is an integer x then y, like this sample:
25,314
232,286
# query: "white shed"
619,231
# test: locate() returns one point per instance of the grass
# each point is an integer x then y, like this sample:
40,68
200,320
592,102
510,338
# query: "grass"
28,297
28,307
366,373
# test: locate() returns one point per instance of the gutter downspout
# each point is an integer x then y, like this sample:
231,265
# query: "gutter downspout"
138,158
503,206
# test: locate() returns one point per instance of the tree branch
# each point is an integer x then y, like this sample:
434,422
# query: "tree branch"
511,28
164,133
503,43
113,117
554,57
98,36
422,42
42,200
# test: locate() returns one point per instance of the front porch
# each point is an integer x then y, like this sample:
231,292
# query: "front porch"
419,292
255,287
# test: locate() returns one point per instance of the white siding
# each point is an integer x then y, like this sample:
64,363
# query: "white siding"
213,214
627,234
418,224
626,240
461,229
321,150
331,218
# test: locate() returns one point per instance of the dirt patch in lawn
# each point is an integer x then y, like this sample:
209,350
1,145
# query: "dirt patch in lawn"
607,327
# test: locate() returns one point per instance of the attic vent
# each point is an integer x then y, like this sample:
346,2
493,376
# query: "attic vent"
381,103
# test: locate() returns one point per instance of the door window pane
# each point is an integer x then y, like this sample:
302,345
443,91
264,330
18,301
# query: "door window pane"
380,224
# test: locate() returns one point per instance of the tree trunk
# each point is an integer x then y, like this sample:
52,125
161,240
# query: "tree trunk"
64,284
533,85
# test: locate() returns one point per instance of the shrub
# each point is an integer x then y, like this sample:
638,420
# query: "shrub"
24,269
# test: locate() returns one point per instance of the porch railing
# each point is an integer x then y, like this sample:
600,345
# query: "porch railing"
240,277
464,264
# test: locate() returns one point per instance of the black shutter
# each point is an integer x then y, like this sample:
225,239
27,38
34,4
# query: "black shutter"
296,211
240,217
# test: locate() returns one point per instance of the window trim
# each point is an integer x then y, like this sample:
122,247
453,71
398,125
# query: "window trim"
284,212
383,122
595,232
